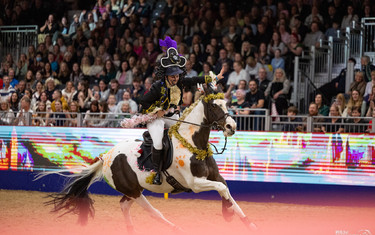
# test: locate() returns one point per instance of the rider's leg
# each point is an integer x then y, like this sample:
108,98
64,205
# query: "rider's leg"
156,130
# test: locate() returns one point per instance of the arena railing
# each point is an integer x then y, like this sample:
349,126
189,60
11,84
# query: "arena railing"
322,124
15,40
257,120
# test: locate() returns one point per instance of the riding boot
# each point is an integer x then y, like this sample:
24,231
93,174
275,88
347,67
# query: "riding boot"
156,160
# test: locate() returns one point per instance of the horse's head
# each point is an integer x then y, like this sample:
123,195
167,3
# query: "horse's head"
216,113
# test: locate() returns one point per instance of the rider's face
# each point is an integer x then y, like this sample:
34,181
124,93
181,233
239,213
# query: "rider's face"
173,79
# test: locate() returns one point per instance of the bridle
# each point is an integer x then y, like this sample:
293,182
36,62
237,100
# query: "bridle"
215,124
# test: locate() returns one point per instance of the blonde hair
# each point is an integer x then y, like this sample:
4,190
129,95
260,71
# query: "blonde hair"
343,102
283,78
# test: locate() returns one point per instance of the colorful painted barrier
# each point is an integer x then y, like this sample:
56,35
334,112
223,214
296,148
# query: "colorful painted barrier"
281,157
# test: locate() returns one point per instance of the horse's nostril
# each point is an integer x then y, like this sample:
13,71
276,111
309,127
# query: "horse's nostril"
228,126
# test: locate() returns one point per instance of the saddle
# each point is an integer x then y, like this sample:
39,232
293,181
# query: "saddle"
145,160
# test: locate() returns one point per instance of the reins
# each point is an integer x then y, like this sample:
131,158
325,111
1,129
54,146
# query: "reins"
214,124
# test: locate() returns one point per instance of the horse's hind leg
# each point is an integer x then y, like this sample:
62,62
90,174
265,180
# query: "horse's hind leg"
125,204
143,202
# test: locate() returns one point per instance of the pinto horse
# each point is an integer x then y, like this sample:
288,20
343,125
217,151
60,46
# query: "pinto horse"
198,171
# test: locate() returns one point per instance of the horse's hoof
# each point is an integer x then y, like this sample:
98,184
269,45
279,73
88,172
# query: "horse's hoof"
131,230
250,225
179,230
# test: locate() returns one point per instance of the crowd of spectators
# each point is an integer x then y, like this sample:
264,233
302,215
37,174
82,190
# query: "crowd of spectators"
101,60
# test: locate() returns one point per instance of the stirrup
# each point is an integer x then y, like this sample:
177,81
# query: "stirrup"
157,180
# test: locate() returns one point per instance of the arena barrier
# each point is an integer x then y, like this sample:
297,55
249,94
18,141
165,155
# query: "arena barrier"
262,157
16,39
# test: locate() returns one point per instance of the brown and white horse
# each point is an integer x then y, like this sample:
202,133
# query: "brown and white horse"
120,169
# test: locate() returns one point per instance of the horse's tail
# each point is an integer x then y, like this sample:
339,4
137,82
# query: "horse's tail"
74,198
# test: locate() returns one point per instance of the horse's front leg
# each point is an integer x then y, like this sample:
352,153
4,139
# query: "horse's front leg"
202,184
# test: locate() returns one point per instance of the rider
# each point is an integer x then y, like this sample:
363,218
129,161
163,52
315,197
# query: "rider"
164,99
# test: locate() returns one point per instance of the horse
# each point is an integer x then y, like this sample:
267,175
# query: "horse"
192,167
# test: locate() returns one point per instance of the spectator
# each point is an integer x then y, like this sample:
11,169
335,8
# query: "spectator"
369,86
74,25
57,117
47,71
64,73
29,79
294,122
190,72
14,102
6,114
322,108
367,67
262,55
7,89
150,53
76,75
223,57
137,90
255,97
230,95
314,13
348,19
252,67
355,100
57,95
238,74
371,102
277,92
92,115
145,69
51,87
86,66
241,107
340,101
39,88
83,96
358,84
39,117
313,112
105,118
335,123
21,69
125,111
278,61
103,91
262,79
12,78
112,103
72,115
115,90
50,26
68,92
275,44
356,124
124,76
24,113
97,68
313,38
132,103
109,71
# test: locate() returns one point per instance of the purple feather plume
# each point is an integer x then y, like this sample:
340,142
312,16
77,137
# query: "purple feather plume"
167,42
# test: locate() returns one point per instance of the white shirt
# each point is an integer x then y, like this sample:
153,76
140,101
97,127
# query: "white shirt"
368,88
235,78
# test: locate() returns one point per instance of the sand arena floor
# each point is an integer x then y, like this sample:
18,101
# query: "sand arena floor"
23,212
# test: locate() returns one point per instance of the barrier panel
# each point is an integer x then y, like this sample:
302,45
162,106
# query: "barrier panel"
16,39
280,157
